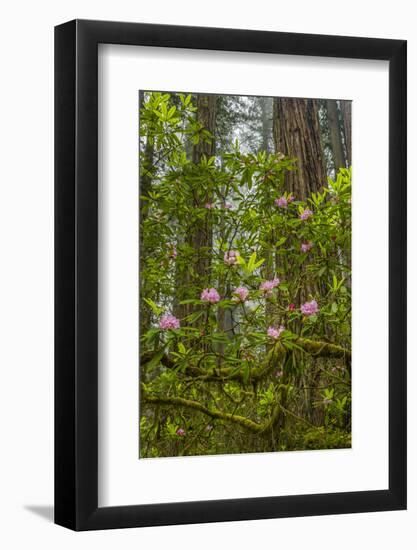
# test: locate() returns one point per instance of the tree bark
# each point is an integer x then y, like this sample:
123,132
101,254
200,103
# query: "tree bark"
265,103
296,133
335,131
202,237
346,110
200,233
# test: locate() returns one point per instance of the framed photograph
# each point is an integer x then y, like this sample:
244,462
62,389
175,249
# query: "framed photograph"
230,253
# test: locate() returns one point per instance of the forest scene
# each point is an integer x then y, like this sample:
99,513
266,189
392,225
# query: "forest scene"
245,274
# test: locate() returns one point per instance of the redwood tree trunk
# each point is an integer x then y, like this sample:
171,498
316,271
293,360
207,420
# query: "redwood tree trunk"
200,233
202,236
206,115
296,132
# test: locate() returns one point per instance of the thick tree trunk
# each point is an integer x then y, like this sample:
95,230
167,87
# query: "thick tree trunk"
335,131
296,133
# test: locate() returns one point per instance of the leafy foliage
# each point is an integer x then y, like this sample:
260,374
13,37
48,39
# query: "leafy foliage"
263,362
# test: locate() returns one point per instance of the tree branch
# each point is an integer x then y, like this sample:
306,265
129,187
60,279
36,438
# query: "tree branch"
275,357
213,413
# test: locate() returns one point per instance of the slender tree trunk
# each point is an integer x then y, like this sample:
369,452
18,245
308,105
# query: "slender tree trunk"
335,131
145,185
202,237
206,115
265,103
200,233
346,110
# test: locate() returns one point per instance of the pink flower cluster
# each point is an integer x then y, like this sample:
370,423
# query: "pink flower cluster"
268,286
305,247
231,257
181,432
275,333
210,295
310,308
241,292
168,322
307,213
282,202
209,205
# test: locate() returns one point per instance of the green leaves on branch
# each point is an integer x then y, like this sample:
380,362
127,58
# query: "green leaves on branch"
249,267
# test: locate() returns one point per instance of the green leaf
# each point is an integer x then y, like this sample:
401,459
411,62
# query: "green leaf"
251,262
171,112
156,309
154,362
245,373
258,264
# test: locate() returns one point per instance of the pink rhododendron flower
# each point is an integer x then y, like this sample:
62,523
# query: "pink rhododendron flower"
241,292
209,205
168,322
307,213
275,332
228,205
282,202
231,257
305,247
210,295
181,432
290,198
267,286
310,308
291,307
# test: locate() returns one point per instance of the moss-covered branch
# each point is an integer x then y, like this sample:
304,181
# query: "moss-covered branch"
274,359
245,423
323,349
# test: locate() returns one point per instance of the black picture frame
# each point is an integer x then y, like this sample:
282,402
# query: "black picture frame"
76,272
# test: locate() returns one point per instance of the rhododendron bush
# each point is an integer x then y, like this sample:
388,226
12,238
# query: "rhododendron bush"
245,286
